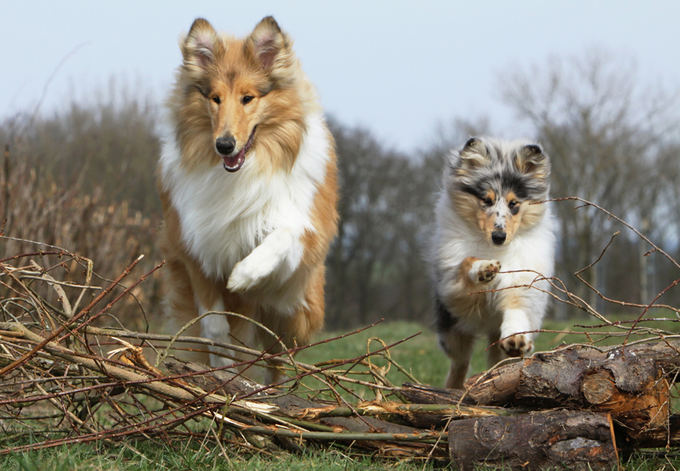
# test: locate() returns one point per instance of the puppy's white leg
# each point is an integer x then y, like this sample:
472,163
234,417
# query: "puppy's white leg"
515,337
279,255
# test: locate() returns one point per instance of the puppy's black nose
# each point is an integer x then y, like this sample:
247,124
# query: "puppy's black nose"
225,145
498,237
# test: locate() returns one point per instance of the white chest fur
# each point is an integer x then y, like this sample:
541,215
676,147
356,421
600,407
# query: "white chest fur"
224,216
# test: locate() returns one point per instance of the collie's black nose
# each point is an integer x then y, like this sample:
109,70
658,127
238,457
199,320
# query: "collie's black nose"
225,145
498,237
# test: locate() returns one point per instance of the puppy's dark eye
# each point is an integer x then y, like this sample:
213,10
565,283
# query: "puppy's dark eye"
487,201
247,99
216,99
514,206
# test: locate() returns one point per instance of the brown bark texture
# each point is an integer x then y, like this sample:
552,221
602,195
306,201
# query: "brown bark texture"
631,383
534,440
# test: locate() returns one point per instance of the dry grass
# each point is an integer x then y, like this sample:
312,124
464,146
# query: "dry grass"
35,207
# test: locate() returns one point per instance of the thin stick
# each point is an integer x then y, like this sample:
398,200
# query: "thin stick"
75,318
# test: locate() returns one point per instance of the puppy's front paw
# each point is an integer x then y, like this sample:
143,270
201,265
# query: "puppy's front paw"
517,345
249,272
483,271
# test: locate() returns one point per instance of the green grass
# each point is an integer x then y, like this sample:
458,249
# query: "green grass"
420,356
147,456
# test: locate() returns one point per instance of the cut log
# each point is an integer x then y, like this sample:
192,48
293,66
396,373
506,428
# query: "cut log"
535,440
654,438
630,383
424,394
495,387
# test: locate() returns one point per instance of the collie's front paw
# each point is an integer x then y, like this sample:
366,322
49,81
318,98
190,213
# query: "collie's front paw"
250,272
517,345
483,271
276,258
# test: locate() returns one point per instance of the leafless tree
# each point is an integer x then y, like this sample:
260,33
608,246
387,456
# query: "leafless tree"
609,139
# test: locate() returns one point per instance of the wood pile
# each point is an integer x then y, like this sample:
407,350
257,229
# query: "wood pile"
66,380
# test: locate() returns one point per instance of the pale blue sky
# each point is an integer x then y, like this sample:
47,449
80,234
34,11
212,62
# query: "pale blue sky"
396,67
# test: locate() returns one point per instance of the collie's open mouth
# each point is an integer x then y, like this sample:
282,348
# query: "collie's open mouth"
234,162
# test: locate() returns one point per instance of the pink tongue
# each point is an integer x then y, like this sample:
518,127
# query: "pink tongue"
234,162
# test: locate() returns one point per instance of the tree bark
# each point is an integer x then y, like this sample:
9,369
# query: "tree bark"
495,387
629,382
654,438
536,440
423,394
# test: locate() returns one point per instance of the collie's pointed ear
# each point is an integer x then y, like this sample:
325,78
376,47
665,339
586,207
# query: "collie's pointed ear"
269,44
201,46
531,160
474,154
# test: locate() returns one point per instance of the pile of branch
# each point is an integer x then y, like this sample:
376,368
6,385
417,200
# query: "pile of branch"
66,380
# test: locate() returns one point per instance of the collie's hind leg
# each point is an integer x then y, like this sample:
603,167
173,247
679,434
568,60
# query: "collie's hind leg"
294,329
280,325
456,343
209,305
243,334
494,353
180,309
458,346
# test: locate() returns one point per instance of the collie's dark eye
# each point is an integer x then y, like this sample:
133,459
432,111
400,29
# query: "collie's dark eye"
216,99
514,206
247,99
487,201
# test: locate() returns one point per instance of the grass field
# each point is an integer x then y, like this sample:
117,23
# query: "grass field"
420,356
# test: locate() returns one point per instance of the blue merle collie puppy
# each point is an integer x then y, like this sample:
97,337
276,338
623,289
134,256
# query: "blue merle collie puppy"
486,220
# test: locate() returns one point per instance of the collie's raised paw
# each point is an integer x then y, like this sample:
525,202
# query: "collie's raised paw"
517,345
248,273
485,270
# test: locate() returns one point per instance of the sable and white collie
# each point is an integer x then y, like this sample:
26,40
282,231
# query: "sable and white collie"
486,220
248,186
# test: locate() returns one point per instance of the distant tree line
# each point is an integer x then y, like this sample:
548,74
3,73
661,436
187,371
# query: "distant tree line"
611,141
615,143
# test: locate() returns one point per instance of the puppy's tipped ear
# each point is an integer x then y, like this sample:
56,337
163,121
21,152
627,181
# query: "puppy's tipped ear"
202,45
473,154
474,143
269,44
531,159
